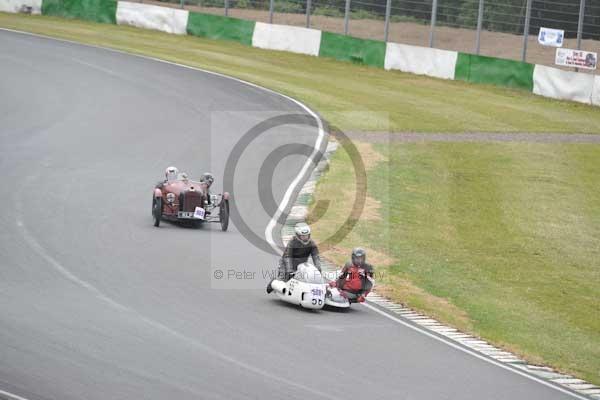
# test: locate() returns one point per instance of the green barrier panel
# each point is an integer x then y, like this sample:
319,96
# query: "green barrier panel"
463,65
91,10
347,48
218,27
496,71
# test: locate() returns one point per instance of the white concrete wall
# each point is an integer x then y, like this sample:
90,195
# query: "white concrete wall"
287,38
421,60
565,85
596,91
14,6
147,16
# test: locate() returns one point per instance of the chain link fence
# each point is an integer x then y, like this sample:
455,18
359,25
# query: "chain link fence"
499,28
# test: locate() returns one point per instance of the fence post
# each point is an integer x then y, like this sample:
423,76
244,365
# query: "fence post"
433,21
308,5
346,17
388,12
580,23
226,8
526,30
479,23
271,8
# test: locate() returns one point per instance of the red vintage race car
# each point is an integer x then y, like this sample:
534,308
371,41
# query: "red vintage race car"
180,199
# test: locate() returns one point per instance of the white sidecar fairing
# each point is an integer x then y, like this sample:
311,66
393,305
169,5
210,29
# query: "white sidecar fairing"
333,298
302,293
308,289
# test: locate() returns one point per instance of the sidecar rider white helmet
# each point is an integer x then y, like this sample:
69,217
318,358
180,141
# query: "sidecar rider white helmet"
359,256
171,173
302,232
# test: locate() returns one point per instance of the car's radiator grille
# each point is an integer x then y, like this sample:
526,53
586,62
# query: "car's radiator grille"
191,200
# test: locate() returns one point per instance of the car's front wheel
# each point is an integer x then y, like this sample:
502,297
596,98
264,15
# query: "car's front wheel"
224,214
157,210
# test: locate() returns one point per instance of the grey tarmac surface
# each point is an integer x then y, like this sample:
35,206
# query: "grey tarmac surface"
96,303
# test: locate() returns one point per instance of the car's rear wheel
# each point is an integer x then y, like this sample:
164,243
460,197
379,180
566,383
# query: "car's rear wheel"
224,214
157,210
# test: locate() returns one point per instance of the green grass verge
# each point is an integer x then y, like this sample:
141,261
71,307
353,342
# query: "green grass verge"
408,102
502,240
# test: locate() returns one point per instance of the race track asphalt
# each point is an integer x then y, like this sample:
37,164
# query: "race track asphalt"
96,303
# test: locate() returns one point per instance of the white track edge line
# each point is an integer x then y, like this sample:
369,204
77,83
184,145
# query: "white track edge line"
475,353
11,396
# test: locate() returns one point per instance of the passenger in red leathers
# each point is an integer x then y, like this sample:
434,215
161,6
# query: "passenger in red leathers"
356,279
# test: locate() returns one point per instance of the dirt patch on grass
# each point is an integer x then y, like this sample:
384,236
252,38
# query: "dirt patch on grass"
369,155
340,253
371,209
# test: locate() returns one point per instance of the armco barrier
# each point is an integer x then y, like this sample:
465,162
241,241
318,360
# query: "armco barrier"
348,48
421,60
147,16
15,6
495,71
91,10
565,85
218,27
286,38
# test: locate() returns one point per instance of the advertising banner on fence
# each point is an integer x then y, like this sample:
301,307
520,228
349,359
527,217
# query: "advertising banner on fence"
551,37
576,58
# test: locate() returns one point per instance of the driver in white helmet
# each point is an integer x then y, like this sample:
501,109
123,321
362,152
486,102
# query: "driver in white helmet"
171,174
297,252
